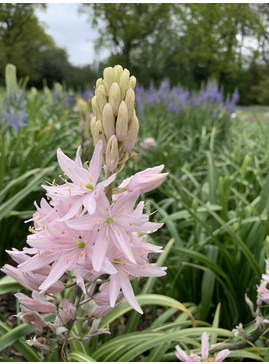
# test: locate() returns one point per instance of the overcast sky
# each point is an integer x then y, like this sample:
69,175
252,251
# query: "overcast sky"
71,31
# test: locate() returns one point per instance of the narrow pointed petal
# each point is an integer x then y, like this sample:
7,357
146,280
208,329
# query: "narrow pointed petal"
204,345
74,209
96,161
89,202
78,159
129,293
114,289
181,355
121,239
100,249
222,355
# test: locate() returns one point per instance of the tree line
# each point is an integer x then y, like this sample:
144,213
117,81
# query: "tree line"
189,44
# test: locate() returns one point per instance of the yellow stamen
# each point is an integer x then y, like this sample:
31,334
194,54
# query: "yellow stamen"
121,209
130,223
51,245
66,182
38,218
53,183
80,185
60,175
62,232
48,198
143,253
138,278
81,253
69,191
107,208
70,169
43,226
106,237
85,163
31,229
38,251
118,231
67,260
64,174
57,260
144,266
74,240
44,255
128,275
148,213
124,262
100,223
90,177
139,234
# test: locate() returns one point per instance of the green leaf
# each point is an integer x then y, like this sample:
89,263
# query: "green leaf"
14,334
7,206
8,284
81,357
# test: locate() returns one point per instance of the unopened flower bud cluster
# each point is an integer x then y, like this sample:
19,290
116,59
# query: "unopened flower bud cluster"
115,121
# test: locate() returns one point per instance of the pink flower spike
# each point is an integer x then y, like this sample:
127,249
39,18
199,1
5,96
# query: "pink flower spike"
222,355
204,345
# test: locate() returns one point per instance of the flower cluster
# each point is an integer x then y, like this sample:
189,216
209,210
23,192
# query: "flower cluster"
88,235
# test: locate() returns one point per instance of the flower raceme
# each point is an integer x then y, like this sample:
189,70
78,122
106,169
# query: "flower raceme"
80,231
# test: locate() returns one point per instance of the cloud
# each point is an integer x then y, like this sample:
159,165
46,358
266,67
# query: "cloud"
71,31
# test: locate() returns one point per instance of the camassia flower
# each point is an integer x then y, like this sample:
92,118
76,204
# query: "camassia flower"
113,225
181,355
82,190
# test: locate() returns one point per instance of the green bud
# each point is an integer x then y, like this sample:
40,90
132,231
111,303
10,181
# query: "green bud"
92,126
131,137
99,134
133,82
98,83
108,77
108,121
101,97
112,153
130,101
11,80
122,122
114,97
117,73
124,82
95,108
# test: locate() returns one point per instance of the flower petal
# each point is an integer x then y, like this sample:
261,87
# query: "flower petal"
204,345
96,161
222,355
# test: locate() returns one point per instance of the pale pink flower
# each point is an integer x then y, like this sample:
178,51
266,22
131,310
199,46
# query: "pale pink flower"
144,181
263,293
32,318
82,190
148,143
36,303
181,355
113,225
67,313
30,280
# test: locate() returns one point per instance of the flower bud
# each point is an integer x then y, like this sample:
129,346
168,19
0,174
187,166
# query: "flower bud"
96,109
101,97
108,121
122,122
98,83
108,77
112,153
124,82
92,126
115,97
99,134
11,80
133,82
117,73
130,101
130,140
